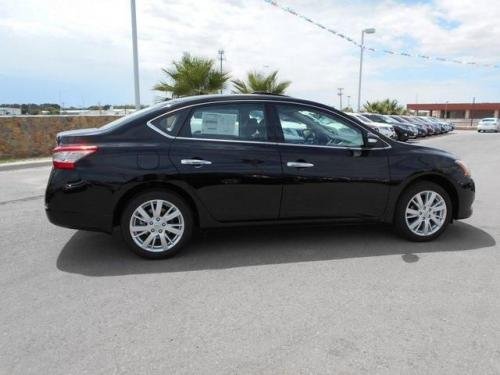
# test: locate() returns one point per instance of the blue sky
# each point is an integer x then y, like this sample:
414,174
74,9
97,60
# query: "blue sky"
79,52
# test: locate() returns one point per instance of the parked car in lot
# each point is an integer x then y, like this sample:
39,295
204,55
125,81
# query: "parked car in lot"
421,129
403,131
382,128
489,124
426,127
225,160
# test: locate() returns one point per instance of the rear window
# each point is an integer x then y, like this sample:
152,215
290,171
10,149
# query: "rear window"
138,114
168,123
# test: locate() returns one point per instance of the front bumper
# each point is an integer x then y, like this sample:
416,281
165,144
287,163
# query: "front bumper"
466,195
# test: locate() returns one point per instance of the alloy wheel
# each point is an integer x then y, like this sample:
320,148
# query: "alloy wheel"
156,225
425,213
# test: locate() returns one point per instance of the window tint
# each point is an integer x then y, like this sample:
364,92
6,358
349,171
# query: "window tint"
168,123
229,121
302,125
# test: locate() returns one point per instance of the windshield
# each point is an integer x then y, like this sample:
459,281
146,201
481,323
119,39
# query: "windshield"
364,119
375,117
390,120
401,119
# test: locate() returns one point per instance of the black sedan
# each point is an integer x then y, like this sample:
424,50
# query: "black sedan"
220,161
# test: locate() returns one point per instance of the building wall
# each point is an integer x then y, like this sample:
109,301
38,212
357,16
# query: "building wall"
7,111
34,136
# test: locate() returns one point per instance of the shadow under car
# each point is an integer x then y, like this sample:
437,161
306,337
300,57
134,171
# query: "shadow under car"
98,254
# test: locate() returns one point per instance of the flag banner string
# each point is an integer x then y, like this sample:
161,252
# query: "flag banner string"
386,51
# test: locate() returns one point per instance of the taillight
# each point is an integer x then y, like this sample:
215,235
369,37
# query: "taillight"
65,157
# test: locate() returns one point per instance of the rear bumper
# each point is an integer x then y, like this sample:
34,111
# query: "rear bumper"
487,128
78,220
74,203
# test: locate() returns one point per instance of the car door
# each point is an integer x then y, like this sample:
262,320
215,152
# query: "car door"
328,171
223,152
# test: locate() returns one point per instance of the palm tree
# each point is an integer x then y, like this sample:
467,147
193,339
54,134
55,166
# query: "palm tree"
259,82
385,107
192,76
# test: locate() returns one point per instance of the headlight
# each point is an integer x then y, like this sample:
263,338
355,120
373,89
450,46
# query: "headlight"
463,167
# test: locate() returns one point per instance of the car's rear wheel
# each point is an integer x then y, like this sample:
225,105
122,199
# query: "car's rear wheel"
423,212
156,224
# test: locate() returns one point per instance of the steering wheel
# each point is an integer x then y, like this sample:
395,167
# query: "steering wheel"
335,141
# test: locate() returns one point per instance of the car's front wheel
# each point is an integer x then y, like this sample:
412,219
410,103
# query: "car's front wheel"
156,224
423,212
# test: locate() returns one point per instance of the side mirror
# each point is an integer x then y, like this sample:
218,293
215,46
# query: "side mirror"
372,140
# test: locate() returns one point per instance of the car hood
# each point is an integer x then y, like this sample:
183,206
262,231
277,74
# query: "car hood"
412,148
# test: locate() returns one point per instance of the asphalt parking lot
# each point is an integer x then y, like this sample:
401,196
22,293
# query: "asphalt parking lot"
319,300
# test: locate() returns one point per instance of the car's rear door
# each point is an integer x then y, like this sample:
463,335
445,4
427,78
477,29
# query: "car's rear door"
223,152
328,171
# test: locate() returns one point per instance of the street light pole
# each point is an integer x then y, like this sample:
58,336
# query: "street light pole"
221,58
362,49
136,57
340,97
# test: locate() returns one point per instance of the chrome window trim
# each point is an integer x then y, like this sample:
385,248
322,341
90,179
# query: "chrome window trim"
345,117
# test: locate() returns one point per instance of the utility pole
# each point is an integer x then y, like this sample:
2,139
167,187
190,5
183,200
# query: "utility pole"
221,58
135,56
340,97
349,101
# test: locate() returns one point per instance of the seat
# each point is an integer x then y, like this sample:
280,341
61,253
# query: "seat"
250,129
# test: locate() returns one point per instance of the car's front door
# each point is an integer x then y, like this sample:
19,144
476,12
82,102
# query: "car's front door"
328,171
223,153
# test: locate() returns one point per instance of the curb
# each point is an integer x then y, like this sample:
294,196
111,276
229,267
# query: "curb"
25,164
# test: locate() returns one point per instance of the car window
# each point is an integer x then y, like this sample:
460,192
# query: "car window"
228,121
167,123
303,125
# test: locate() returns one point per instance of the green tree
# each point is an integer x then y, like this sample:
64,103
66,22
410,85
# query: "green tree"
192,75
385,107
256,81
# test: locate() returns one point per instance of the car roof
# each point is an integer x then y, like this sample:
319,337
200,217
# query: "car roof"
200,99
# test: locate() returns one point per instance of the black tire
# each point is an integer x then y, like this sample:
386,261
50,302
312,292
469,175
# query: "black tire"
171,198
400,222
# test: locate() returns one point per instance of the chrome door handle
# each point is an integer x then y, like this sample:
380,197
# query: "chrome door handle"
195,162
296,164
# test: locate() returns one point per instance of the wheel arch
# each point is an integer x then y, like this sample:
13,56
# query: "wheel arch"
436,178
155,185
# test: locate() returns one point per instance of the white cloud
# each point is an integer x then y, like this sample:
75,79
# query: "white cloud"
86,41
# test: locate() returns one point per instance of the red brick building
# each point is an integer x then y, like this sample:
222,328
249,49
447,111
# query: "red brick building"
458,111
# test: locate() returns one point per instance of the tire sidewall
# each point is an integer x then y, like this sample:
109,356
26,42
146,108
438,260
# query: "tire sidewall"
400,218
152,195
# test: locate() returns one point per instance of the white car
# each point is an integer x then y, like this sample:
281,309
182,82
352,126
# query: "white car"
489,124
384,129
